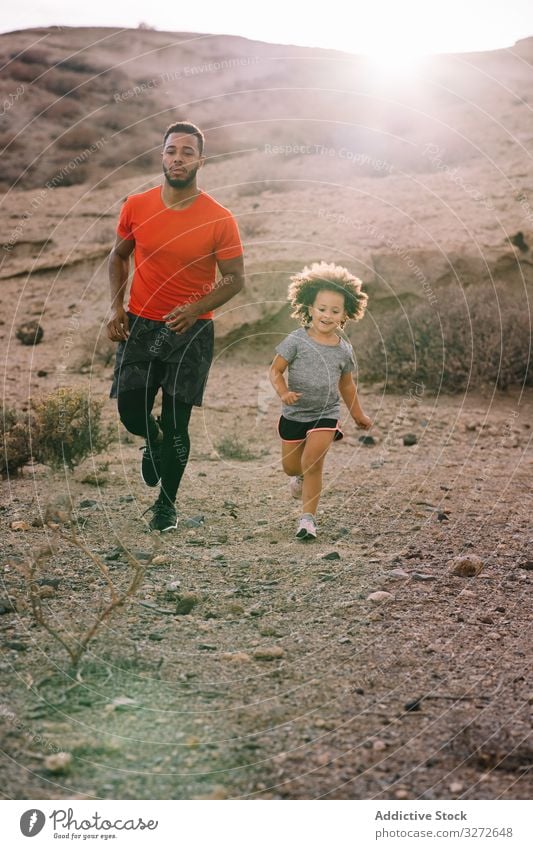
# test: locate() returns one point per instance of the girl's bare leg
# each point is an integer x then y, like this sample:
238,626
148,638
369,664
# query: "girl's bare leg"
316,447
291,457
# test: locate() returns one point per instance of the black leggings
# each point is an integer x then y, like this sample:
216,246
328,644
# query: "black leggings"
135,410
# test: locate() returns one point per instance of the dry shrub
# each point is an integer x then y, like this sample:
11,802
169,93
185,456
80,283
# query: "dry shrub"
62,83
79,138
15,435
34,56
86,618
26,73
483,338
67,428
63,109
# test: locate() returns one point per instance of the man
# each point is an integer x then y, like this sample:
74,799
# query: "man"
178,235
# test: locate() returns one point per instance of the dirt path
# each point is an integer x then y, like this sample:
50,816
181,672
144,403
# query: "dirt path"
285,680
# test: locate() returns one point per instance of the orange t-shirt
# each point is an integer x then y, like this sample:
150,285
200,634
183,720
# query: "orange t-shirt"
176,250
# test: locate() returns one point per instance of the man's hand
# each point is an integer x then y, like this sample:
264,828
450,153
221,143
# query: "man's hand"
363,421
181,318
290,397
118,328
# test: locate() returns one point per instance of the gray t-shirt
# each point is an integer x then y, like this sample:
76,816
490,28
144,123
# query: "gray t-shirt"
315,371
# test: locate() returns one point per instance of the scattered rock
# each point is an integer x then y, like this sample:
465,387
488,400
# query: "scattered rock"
87,502
332,555
173,589
422,576
273,653
156,636
30,333
125,499
443,517
401,793
19,525
380,597
379,746
58,763
456,787
410,439
397,574
194,522
160,560
49,582
367,440
465,566
16,645
527,564
121,703
414,704
236,657
7,606
186,603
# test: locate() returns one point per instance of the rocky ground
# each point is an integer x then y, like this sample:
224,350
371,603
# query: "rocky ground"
285,678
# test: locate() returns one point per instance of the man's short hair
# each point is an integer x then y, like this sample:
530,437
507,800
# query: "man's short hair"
187,128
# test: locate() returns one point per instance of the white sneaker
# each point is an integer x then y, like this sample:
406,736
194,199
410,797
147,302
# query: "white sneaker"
296,485
306,528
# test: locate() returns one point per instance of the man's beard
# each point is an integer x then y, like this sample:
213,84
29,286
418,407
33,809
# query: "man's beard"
180,182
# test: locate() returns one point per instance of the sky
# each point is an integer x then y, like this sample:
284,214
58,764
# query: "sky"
377,27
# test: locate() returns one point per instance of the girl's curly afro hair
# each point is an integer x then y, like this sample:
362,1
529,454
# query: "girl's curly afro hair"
320,276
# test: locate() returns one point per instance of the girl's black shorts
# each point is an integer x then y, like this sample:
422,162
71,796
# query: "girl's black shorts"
291,431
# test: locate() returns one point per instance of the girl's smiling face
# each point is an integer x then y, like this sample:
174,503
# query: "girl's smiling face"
327,312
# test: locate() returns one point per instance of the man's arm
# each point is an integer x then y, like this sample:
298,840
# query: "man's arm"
231,282
119,267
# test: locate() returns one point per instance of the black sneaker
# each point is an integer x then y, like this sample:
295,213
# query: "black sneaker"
151,464
164,517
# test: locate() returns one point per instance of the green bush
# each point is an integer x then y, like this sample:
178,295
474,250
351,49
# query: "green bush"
68,428
15,442
480,337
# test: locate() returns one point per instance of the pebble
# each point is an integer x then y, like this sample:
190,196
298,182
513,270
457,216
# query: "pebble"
379,746
401,793
397,574
410,439
236,657
7,606
332,555
194,522
186,603
422,576
160,560
413,705
173,587
87,502
58,763
30,333
125,499
456,787
273,653
19,526
465,566
367,440
380,597
47,592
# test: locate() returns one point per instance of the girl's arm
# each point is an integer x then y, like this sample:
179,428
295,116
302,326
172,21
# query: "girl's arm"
348,390
278,381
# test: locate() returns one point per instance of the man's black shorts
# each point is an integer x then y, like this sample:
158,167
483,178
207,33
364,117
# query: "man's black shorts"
154,356
291,431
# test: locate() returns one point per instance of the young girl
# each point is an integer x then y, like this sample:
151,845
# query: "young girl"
321,365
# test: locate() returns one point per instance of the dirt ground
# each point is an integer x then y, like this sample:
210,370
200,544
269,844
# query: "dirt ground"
285,680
